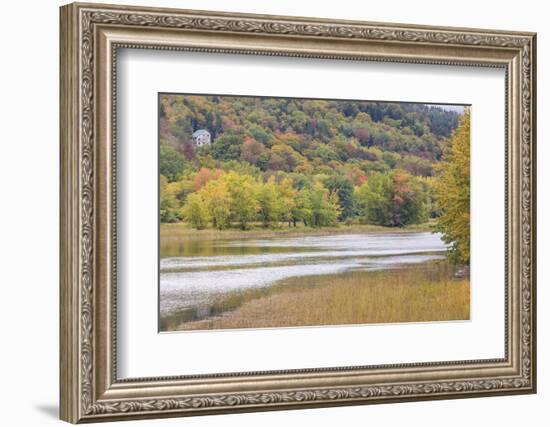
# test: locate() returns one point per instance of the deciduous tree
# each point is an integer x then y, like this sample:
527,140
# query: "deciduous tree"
320,207
171,162
343,187
195,211
204,175
452,188
168,203
243,197
393,199
287,202
218,202
269,204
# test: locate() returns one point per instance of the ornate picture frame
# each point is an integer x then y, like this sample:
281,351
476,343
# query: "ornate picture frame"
91,34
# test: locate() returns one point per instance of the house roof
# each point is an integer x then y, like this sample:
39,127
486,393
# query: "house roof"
199,132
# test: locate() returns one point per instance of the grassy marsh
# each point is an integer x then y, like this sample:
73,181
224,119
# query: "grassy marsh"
422,293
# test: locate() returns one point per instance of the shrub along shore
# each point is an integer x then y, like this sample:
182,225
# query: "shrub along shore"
420,294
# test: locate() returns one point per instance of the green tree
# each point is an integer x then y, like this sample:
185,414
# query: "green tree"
393,199
227,147
375,197
319,208
259,134
342,185
195,211
171,163
168,203
452,188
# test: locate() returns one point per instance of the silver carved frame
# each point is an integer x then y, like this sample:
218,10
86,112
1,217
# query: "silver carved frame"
90,37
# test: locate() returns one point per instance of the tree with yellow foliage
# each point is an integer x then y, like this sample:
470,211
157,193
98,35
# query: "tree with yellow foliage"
243,196
268,201
452,188
217,198
287,201
195,211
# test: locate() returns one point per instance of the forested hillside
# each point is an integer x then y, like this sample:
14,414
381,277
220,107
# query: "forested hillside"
274,161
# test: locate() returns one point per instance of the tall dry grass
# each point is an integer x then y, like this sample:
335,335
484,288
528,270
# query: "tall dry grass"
405,295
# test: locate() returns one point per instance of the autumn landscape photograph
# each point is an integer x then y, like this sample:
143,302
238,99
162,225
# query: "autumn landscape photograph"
290,212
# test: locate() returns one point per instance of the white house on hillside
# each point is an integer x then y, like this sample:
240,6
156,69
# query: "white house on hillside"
201,137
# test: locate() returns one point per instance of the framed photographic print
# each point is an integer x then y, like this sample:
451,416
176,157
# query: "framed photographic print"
265,212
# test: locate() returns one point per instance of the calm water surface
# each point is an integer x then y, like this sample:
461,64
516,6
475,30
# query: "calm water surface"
195,274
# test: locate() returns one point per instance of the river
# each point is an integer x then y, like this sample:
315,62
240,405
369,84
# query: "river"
196,274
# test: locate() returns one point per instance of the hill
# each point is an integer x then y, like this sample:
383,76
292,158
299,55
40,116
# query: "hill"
330,146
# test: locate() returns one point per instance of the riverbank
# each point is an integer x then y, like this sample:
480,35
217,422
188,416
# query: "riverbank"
420,294
183,231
